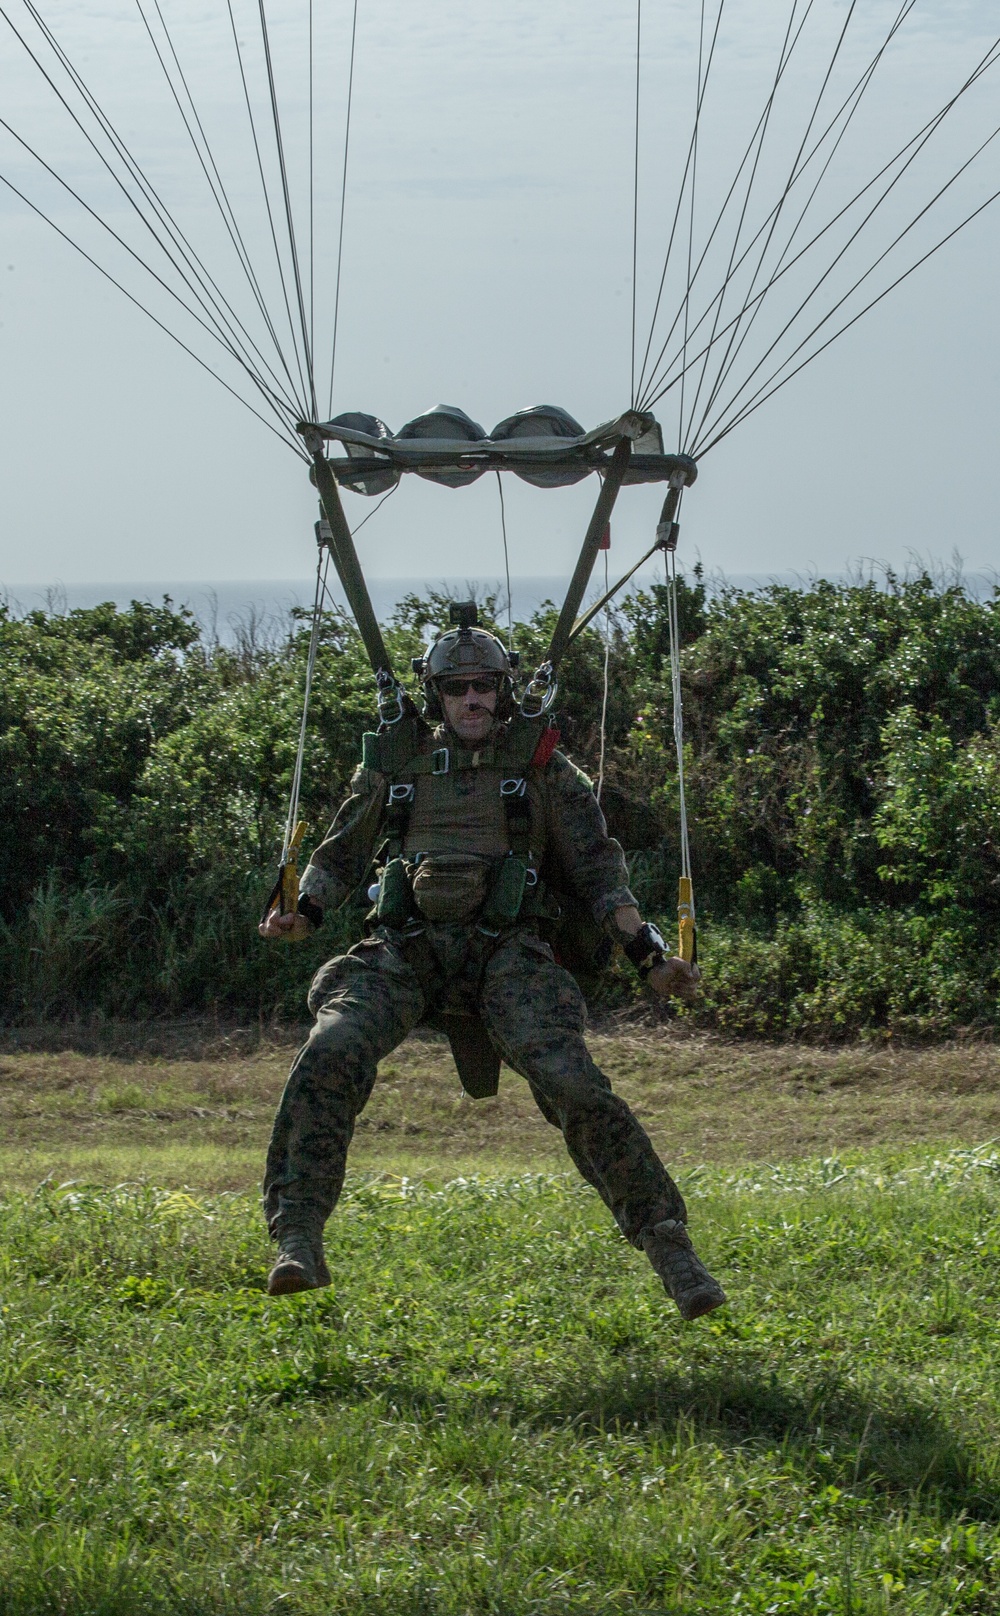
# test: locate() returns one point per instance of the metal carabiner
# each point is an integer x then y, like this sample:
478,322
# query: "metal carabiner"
388,698
540,692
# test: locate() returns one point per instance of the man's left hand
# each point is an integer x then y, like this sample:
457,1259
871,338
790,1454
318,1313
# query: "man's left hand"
293,928
675,976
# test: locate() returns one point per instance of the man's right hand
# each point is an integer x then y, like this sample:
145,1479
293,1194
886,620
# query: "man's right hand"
675,976
285,928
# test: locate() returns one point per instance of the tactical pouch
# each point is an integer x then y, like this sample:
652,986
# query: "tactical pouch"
450,887
395,901
503,905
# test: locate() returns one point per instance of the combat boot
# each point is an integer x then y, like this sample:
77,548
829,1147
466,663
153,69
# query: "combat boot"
684,1275
301,1265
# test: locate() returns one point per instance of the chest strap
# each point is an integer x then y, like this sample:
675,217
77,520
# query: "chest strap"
518,873
511,756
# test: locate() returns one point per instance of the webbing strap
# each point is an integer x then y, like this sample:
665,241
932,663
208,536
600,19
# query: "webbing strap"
397,816
513,787
517,812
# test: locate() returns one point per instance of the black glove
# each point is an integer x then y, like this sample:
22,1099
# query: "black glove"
312,911
645,949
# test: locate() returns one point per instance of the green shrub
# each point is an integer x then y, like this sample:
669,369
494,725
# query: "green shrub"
843,785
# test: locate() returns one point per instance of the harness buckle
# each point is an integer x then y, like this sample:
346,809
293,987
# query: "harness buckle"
514,787
440,761
401,793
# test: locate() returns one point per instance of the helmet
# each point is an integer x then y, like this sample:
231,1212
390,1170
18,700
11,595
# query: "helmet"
468,649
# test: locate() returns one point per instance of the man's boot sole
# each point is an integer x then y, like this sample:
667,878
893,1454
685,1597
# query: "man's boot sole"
289,1278
700,1303
670,1251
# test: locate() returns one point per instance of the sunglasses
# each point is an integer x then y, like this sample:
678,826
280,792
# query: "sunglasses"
458,687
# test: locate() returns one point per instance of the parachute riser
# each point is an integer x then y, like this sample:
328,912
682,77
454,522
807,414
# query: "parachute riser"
687,936
667,531
588,554
340,542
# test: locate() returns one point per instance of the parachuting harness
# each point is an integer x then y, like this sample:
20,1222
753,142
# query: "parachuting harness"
400,753
400,749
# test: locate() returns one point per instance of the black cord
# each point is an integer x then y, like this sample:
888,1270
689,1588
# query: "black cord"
635,188
218,324
266,193
289,217
870,270
343,203
677,214
290,441
916,141
217,187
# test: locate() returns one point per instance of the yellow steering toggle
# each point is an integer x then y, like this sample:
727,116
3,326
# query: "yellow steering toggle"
285,892
687,946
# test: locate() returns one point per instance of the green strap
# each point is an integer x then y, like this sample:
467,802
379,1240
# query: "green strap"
402,753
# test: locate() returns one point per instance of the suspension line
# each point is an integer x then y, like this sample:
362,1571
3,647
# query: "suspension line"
284,896
687,944
292,821
605,681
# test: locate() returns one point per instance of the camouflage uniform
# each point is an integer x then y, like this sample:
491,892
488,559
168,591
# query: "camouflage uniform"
366,1001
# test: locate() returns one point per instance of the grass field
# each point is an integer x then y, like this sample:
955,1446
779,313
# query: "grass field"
494,1408
182,1107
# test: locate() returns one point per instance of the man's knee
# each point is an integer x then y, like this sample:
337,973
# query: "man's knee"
339,1039
372,984
364,1006
530,1004
562,1069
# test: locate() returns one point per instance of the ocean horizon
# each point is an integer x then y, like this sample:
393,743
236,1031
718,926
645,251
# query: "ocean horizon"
223,606
227,607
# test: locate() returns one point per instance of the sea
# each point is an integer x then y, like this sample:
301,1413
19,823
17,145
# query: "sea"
227,609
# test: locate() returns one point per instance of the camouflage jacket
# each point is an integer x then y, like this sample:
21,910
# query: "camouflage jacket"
569,839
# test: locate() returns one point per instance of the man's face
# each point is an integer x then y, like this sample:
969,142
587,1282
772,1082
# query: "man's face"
470,704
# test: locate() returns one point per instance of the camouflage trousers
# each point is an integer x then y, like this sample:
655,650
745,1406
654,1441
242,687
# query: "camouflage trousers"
366,1001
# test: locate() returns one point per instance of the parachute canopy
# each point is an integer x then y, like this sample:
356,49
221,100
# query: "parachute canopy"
544,445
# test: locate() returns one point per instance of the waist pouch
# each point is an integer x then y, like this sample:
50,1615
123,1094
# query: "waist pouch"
394,905
450,886
507,891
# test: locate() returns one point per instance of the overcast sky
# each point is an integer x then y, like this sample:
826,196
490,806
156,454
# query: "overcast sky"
488,263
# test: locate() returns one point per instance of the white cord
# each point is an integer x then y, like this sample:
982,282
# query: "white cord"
506,564
675,686
604,695
322,565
